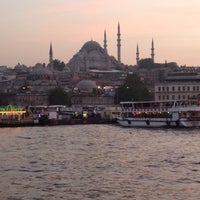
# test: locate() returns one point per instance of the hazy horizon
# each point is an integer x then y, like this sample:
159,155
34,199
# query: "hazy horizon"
28,27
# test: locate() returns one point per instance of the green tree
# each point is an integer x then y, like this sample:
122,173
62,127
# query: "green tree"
58,96
133,89
58,65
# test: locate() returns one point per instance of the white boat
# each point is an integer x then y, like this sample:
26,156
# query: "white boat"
160,114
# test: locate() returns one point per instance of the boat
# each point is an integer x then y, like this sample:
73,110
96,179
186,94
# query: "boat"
12,116
176,113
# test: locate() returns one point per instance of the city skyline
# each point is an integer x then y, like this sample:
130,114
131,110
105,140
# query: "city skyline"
28,27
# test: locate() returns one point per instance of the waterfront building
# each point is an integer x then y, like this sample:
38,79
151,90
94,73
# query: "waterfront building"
179,86
91,99
27,99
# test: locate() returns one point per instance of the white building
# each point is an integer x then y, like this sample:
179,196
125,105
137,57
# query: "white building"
178,86
177,91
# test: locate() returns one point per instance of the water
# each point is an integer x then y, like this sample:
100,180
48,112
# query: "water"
102,162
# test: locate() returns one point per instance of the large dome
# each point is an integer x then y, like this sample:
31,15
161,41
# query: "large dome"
92,46
92,56
86,85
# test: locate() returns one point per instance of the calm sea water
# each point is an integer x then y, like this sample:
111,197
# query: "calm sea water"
103,162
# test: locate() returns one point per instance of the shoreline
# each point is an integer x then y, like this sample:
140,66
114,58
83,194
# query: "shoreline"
54,122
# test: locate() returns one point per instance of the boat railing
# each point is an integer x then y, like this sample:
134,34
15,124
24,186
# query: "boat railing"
160,109
186,105
144,107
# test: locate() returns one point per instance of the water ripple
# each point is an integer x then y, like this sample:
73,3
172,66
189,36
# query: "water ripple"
99,162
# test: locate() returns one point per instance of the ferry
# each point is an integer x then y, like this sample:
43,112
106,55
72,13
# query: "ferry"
160,114
11,115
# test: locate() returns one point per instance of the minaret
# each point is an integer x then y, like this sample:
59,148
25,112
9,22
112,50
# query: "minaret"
51,57
152,51
137,55
51,62
119,45
105,42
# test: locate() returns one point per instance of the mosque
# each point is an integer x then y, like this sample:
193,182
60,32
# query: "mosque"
93,57
92,62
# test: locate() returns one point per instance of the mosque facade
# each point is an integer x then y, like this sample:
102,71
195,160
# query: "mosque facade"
94,57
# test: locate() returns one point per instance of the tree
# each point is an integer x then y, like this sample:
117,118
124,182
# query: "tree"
58,96
58,65
133,89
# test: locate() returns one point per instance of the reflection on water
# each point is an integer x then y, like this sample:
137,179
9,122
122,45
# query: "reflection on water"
99,162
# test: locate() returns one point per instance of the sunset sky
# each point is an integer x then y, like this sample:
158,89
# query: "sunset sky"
28,27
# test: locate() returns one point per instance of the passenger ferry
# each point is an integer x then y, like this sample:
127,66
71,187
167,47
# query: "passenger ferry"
160,114
14,116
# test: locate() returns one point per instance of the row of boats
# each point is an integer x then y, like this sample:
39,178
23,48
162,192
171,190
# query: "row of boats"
160,114
133,114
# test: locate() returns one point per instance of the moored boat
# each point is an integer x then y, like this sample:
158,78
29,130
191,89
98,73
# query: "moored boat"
160,114
187,114
15,116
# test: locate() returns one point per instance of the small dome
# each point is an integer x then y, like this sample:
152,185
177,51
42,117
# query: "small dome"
92,46
86,85
41,70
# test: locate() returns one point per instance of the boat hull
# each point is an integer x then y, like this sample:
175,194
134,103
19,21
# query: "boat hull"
189,123
130,122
